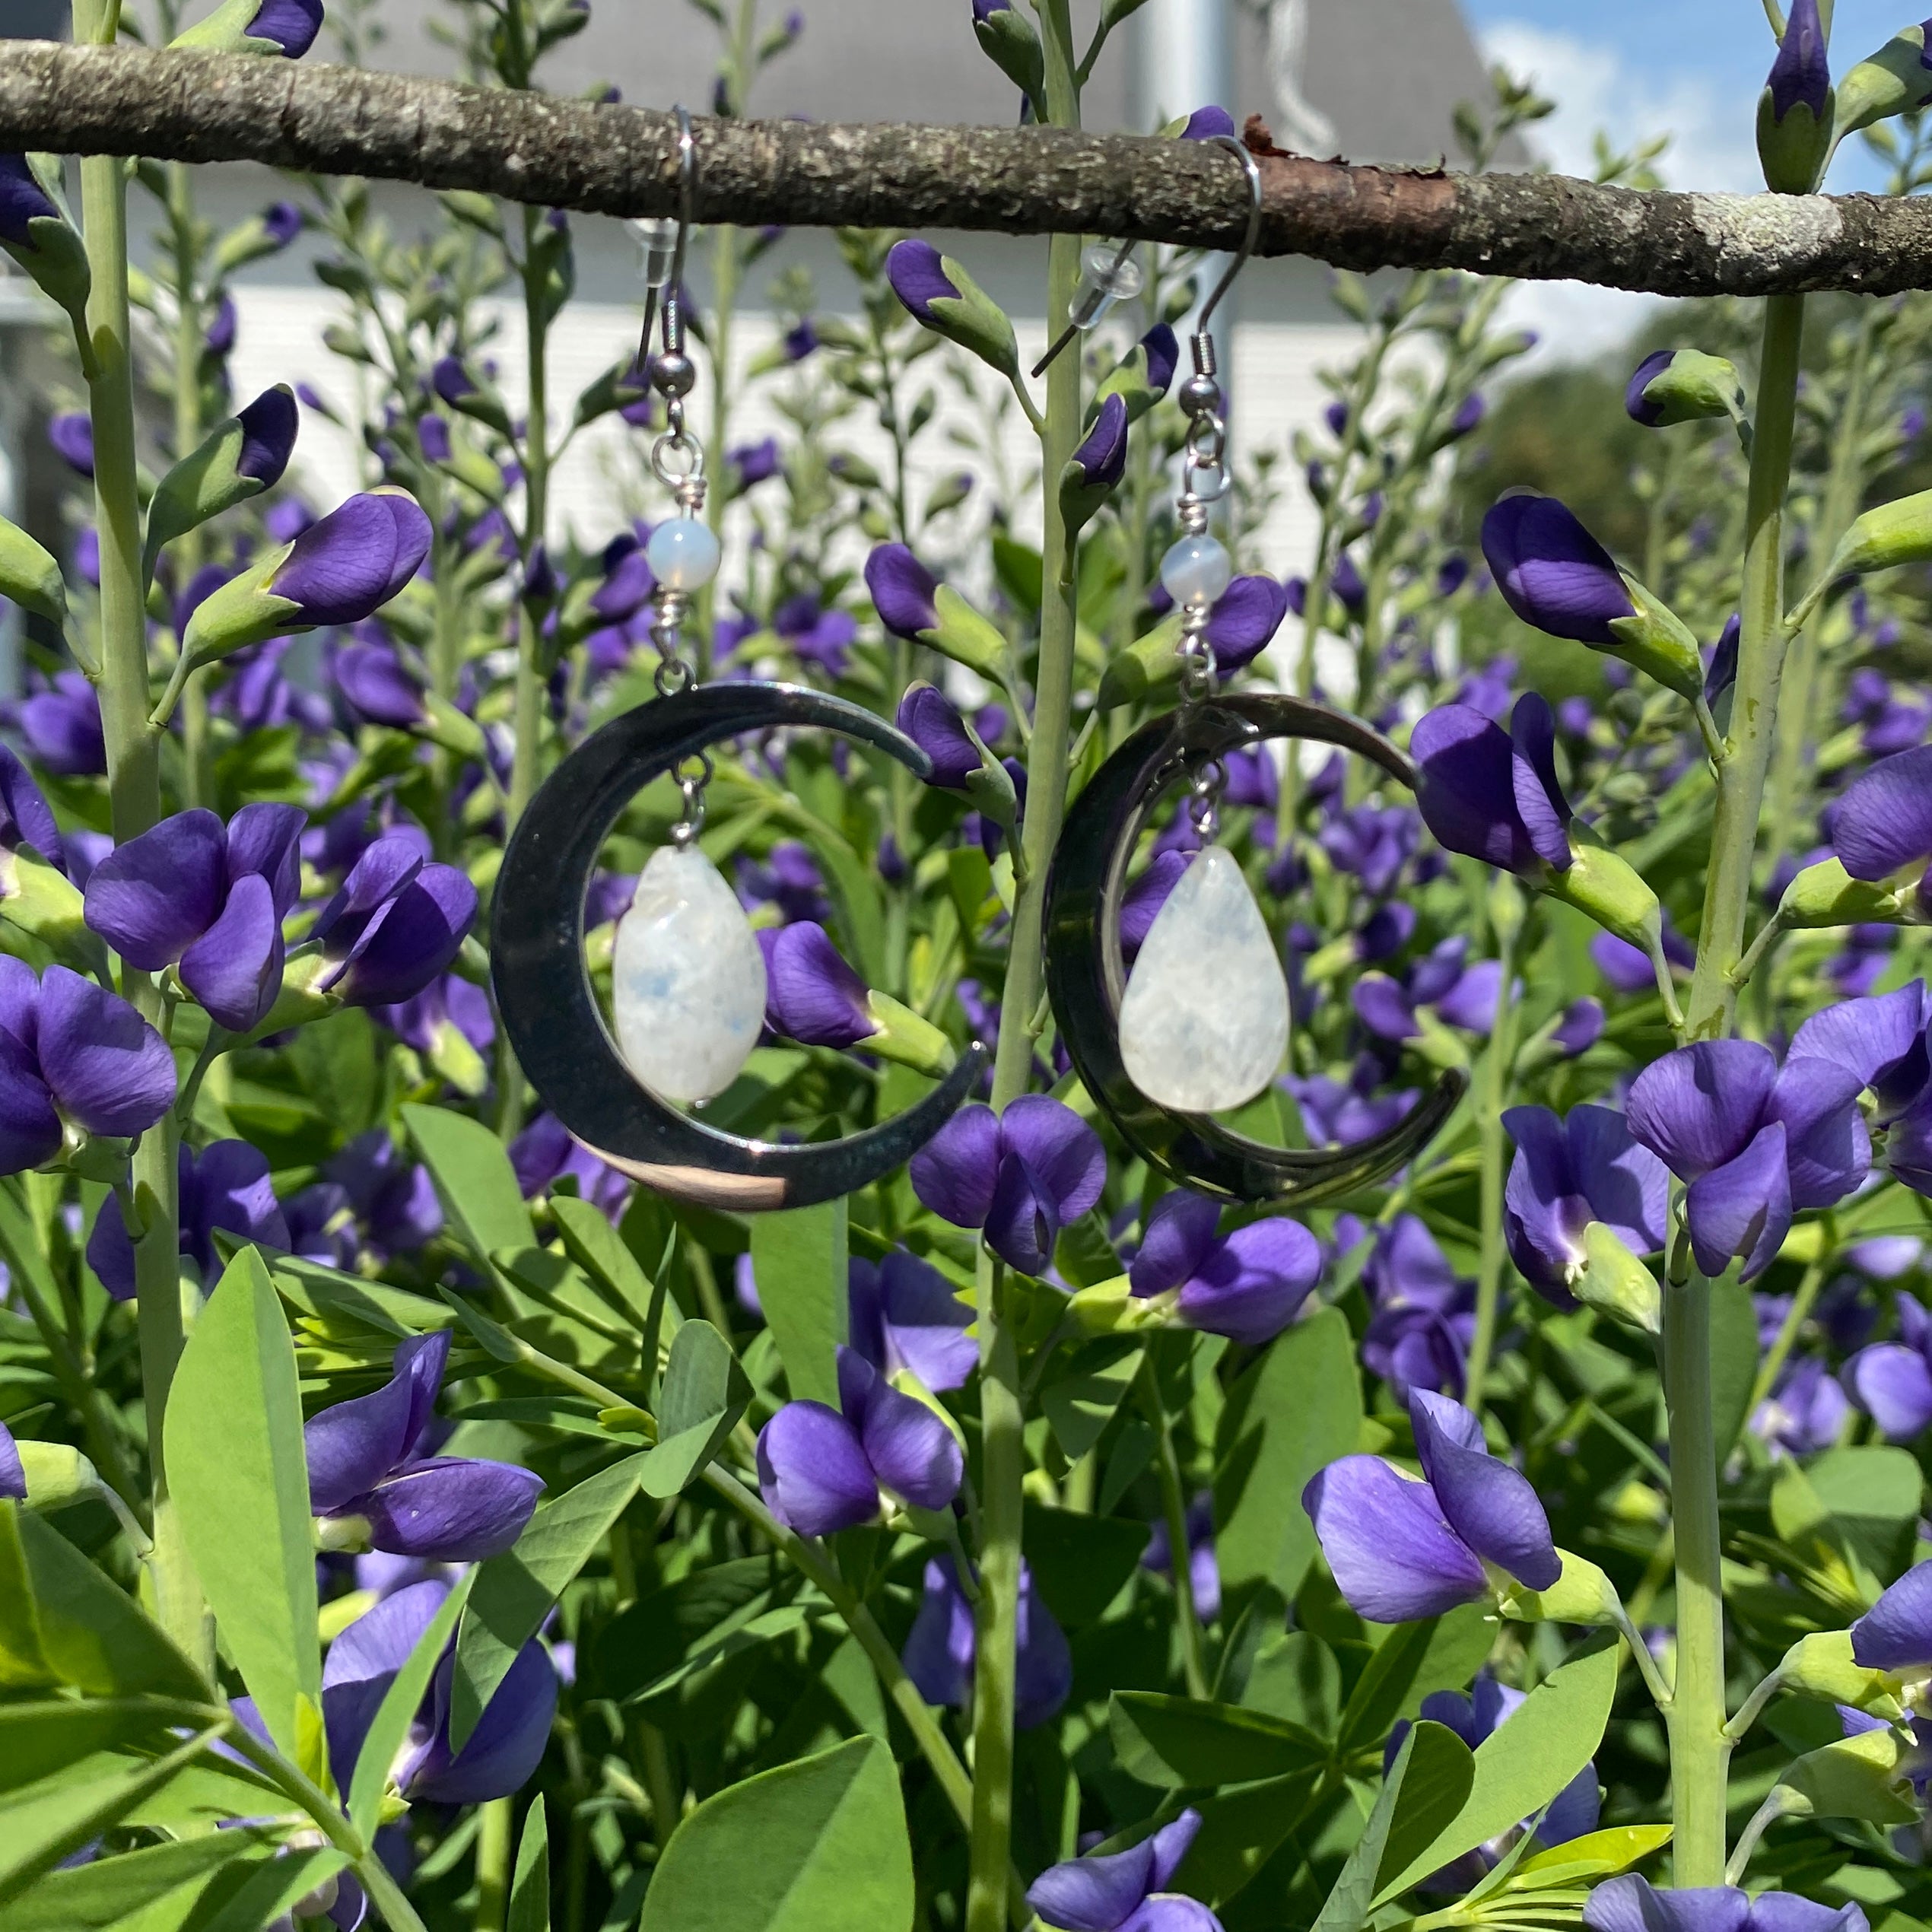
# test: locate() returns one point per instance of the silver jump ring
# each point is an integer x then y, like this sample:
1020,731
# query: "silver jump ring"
681,443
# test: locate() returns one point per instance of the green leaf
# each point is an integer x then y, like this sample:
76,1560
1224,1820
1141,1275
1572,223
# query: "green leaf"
1080,1403
40,1826
513,1593
95,1636
705,1392
1182,1742
799,1260
93,1896
1595,1855
1241,1829
1733,1360
241,1481
1295,1675
599,1250
267,1893
812,1845
1441,1774
400,1703
23,1661
1080,1563
1525,1762
1293,1412
474,1177
640,1644
1413,1660
37,1739
529,1890
1424,1757
346,1302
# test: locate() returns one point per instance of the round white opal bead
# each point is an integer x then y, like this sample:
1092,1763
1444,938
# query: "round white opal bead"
1195,571
682,553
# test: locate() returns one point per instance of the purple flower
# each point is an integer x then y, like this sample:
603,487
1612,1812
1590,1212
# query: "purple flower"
902,588
1893,1381
1145,897
501,1755
1469,412
281,222
1755,1143
1492,794
1101,460
823,637
1581,1027
219,342
1118,1891
545,1150
446,1004
13,1476
821,1470
752,463
1203,1572
394,1196
1424,1318
1401,1550
292,24
1884,819
395,923
1163,350
268,427
1552,572
1244,620
207,901
928,717
811,995
1246,1285
23,201
71,436
1637,407
1209,123
26,818
1464,996
904,1315
226,1186
366,1459
1021,1176
72,1052
1568,1174
375,687
346,566
1882,1038
1801,75
919,278
942,1648
799,340
1631,1904
1626,968
1806,1411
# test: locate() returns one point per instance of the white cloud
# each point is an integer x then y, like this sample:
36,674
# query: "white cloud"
1712,147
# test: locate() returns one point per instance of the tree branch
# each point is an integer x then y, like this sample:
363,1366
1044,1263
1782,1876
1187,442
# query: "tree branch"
195,107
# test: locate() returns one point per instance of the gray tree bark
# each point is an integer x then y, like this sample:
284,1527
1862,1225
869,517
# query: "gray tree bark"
620,160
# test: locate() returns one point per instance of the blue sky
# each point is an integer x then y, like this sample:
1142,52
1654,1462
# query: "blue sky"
1638,68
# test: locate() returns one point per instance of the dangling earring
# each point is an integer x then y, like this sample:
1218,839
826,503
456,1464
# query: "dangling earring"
1201,1023
688,980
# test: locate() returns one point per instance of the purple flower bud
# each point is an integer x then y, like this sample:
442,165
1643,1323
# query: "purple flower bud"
352,563
268,427
281,222
433,438
62,728
22,201
919,278
904,1315
1469,413
1245,620
1802,73
292,24
902,588
800,340
1552,572
13,1477
451,379
72,437
1580,1028
928,718
1636,405
1120,1887
226,1186
1346,581
220,340
753,463
1163,357
1102,459
1208,124
986,9
396,924
941,1649
1491,795
1883,819
1246,1285
376,687
812,996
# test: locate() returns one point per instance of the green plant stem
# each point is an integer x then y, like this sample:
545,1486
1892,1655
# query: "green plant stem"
188,431
1760,670
493,1850
134,791
1795,1317
1174,1509
1700,1753
717,500
1493,1143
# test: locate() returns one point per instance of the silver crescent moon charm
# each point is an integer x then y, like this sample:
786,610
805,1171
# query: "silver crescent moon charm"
543,985
1085,979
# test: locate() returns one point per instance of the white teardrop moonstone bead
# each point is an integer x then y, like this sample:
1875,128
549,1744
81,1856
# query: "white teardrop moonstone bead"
688,981
1204,1022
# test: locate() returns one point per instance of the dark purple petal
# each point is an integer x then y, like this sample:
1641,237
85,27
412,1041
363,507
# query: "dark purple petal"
1827,1147
1384,1008
928,718
234,969
451,1509
72,437
63,729
1628,1188
1545,1212
268,427
1466,791
1163,357
1802,73
923,1322
292,24
1101,459
1786,1911
1023,1222
22,201
1144,898
1883,819
1393,1554
29,1129
1244,620
1094,1894
1552,572
1179,1232
1742,1209
1580,1028
417,936
227,1187
1490,1505
1540,804
151,898
1171,1843
1895,1633
812,1471
811,995
1250,1286
353,1445
378,874
912,1452
919,279
902,588
266,839
1636,405
1470,1002
1172,1912
13,1477
954,1174
348,565
25,816
1894,1387
1631,1904
371,678
1043,1660
501,1755
108,1070
1064,1153
1209,123
1699,1107
941,1646
362,1662
1883,1037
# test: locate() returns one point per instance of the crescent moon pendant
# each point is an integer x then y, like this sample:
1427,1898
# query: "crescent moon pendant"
1085,978
543,986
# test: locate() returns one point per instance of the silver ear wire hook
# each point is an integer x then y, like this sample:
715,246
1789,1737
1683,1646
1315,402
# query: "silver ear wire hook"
651,233
1252,169
677,456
